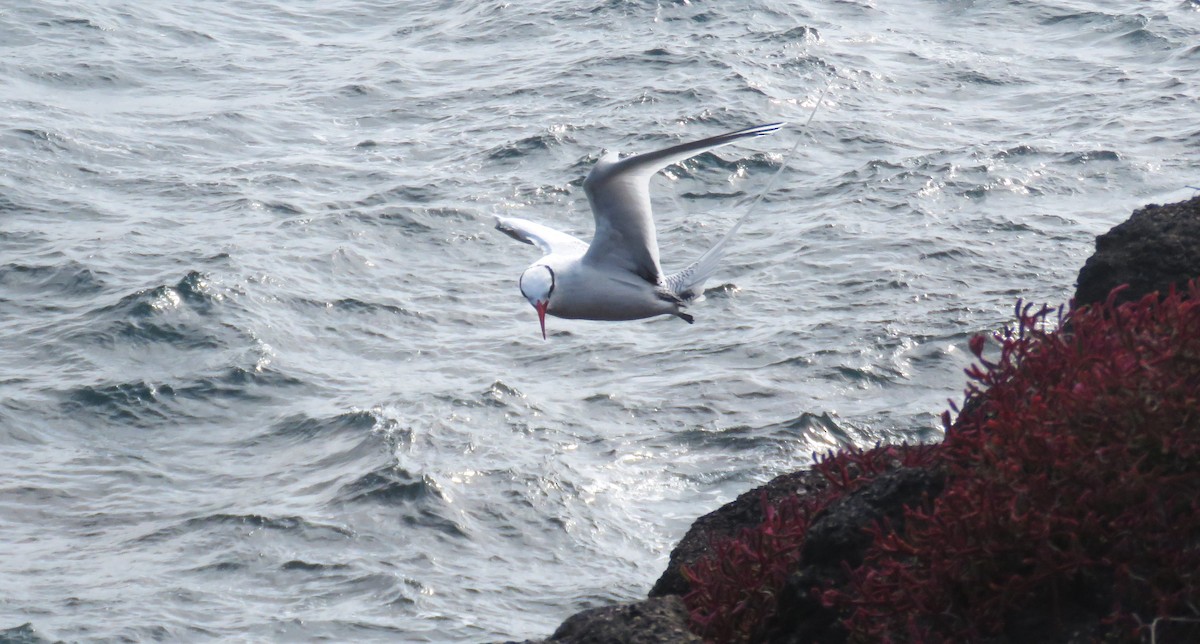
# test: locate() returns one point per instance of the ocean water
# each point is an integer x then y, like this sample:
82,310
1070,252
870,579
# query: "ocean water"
265,373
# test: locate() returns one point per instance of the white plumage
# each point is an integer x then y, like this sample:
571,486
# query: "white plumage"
618,276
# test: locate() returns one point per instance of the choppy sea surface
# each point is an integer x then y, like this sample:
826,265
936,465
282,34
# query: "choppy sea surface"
265,373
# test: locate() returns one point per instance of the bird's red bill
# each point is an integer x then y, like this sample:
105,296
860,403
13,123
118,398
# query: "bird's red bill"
541,309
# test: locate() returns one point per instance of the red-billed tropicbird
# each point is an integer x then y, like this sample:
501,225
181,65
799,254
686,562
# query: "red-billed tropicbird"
618,276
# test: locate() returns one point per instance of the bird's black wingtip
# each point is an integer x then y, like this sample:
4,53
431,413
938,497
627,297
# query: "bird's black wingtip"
767,128
507,228
757,130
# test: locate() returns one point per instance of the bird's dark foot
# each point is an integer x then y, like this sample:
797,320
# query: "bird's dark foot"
686,318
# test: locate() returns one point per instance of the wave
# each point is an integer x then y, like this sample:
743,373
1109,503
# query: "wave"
275,207
239,382
388,485
187,315
306,566
301,426
1090,156
239,524
144,403
806,433
136,402
500,394
69,279
363,307
525,147
23,634
417,498
817,428
193,289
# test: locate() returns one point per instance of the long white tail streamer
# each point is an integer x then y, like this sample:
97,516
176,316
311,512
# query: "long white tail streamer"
688,283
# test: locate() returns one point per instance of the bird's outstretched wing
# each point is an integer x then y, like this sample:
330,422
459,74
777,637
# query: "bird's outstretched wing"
545,238
619,192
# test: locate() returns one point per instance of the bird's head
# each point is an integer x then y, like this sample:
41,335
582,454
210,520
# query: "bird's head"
537,285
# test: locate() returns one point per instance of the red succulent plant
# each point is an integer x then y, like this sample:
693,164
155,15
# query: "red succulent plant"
1071,506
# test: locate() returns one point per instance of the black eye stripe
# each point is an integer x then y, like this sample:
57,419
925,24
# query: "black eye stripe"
551,291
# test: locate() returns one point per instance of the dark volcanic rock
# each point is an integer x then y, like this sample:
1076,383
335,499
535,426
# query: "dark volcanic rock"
839,538
840,533
1156,247
662,620
726,522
